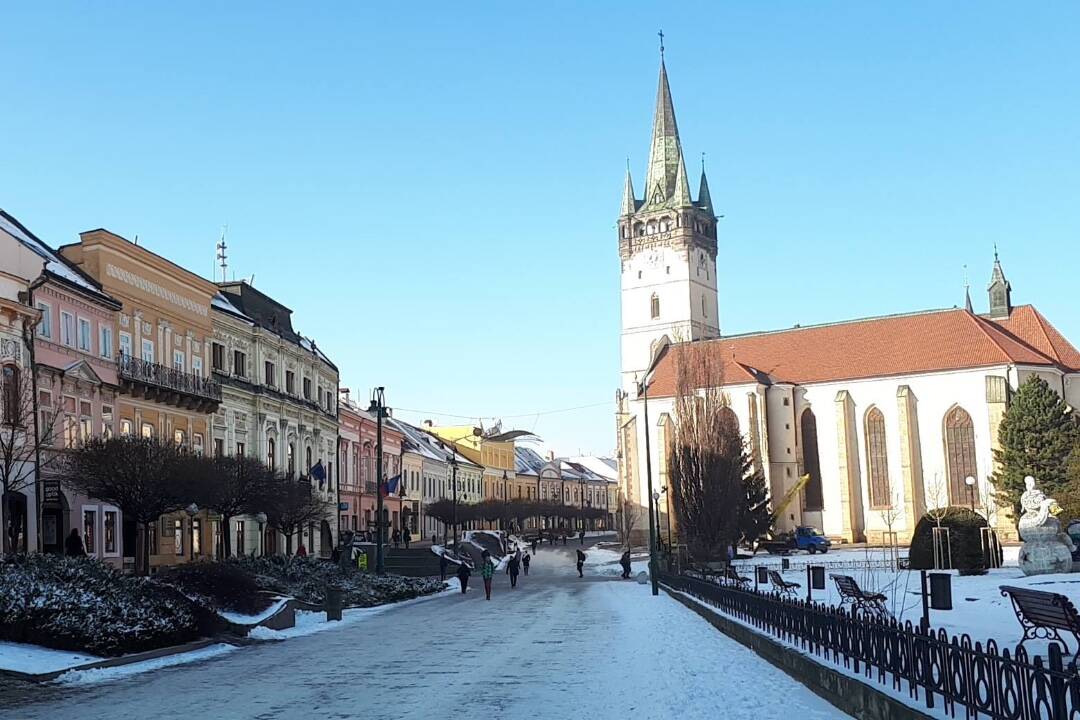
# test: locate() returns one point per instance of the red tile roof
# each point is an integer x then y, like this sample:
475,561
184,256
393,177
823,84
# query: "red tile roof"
931,341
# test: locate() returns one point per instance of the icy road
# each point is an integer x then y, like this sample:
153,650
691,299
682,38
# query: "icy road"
555,647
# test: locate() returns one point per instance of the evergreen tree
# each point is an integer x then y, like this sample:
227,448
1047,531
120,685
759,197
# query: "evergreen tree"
756,519
1036,437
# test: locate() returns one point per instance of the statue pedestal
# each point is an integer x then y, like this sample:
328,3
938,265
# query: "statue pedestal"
1043,551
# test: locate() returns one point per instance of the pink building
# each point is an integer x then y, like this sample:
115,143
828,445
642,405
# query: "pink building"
357,429
75,364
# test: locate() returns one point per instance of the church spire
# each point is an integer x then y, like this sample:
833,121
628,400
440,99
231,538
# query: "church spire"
1000,291
704,199
682,187
665,155
629,204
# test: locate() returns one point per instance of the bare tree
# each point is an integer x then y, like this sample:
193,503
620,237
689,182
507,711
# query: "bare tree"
230,485
290,505
443,511
710,472
144,477
25,444
627,521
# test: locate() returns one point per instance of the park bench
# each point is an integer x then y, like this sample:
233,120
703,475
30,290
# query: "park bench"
872,604
1043,615
785,587
731,573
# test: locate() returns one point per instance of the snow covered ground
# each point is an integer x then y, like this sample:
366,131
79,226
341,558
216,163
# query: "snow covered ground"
34,659
557,646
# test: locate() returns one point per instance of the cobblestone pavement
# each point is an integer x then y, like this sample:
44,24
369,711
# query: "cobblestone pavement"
557,646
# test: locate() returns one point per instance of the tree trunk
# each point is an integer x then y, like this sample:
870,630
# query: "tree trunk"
226,545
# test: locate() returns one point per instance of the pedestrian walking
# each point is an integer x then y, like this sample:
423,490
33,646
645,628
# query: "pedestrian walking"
463,572
406,536
580,562
73,544
443,563
564,534
525,563
301,551
396,538
533,548
487,570
514,567
582,536
625,562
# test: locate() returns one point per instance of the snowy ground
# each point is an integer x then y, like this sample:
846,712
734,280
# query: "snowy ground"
979,609
557,646
35,659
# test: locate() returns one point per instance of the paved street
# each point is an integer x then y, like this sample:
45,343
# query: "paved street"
557,646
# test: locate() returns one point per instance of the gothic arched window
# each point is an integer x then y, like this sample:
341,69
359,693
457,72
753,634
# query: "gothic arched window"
959,453
290,458
813,498
877,459
728,417
654,306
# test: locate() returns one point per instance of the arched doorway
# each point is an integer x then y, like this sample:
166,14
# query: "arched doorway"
326,539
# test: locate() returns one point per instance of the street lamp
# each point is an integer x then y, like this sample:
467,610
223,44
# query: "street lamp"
378,407
192,510
261,519
643,391
506,499
970,482
656,509
667,501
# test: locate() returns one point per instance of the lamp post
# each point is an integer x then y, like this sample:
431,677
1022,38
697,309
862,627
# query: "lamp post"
452,459
970,482
506,500
667,501
261,519
378,406
192,510
656,509
643,390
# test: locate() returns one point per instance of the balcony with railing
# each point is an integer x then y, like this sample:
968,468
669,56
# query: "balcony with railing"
153,381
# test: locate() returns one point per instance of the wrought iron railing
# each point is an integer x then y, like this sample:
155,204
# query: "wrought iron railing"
958,675
161,376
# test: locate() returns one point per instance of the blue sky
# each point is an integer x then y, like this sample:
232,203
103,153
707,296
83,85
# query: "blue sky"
434,191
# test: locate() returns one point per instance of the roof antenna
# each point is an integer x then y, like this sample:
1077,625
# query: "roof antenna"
223,259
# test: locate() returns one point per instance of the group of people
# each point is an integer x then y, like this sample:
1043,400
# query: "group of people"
515,564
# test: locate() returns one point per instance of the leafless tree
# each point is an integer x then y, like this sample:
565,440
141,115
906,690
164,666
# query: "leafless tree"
627,521
290,505
25,444
144,477
230,485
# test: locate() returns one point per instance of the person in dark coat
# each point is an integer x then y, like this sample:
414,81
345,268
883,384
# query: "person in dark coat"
514,566
406,537
525,563
625,562
396,538
463,572
533,548
443,564
73,544
582,535
580,562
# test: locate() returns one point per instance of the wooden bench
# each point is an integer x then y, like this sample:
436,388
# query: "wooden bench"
1043,615
872,604
785,587
731,573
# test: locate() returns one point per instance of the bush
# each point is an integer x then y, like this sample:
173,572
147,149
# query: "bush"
307,578
965,540
218,585
86,605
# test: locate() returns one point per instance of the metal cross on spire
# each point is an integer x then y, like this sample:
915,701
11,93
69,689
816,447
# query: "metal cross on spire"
661,34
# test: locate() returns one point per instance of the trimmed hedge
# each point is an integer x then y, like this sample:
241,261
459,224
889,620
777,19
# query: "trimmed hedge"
218,585
87,605
965,540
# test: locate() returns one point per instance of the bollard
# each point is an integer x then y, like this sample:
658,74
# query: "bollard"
761,576
332,603
940,591
785,564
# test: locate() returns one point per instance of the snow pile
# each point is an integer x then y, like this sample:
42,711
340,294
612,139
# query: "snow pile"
97,675
34,660
88,606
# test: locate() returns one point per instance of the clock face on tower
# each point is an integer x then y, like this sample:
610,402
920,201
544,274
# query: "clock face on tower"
653,258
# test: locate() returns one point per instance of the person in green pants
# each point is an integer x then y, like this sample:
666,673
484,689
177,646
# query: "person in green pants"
487,569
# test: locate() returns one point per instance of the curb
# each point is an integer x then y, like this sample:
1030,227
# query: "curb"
854,697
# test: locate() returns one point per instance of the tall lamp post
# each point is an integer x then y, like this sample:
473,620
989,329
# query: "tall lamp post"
506,500
378,406
452,459
643,391
970,482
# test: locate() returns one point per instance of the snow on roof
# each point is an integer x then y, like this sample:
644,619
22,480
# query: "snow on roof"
427,444
220,302
528,461
605,467
54,262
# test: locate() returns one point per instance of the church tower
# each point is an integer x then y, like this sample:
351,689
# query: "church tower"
667,246
1000,291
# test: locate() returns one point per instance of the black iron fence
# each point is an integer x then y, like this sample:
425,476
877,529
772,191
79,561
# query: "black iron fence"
161,376
785,564
951,674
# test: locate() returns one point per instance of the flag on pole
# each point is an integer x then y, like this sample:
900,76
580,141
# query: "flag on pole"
319,473
390,485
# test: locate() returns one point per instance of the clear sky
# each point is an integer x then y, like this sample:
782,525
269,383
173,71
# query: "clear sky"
432,188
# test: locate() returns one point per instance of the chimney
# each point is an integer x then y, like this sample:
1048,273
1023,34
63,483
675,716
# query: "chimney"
551,455
428,423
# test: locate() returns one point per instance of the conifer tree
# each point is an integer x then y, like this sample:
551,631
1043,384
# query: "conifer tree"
1036,438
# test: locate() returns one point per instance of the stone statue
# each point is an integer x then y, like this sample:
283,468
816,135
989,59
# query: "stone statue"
1046,548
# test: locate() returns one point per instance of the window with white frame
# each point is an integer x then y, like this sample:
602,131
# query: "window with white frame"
196,366
105,342
110,544
197,443
44,328
125,427
148,350
106,421
84,334
178,360
178,537
67,329
89,530
125,344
